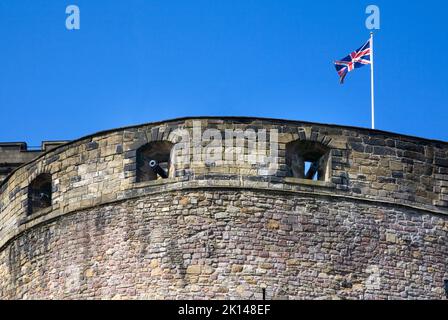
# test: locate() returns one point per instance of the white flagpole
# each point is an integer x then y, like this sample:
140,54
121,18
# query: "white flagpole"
371,80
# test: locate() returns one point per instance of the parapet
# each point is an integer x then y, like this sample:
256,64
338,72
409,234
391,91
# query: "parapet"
221,204
15,154
342,161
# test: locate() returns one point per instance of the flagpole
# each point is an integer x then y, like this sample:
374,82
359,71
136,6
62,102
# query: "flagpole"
372,80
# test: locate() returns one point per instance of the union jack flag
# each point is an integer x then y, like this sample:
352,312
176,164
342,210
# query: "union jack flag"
354,60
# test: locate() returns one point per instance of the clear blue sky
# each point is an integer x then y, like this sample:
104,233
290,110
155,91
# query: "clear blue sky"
138,61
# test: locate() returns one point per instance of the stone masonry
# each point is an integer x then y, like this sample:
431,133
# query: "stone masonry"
375,227
15,154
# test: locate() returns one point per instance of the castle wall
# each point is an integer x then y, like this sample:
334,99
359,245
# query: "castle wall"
403,178
15,154
225,244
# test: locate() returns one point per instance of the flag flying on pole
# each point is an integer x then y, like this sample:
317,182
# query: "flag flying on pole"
354,60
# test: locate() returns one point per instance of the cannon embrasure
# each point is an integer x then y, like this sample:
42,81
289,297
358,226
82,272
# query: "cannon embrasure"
157,169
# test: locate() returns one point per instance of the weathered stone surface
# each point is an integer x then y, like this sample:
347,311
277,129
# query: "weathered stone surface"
236,268
194,269
273,225
376,228
131,245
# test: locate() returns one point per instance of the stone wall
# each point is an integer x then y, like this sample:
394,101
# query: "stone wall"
225,244
15,154
390,188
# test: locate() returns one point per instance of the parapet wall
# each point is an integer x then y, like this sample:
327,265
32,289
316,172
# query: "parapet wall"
15,154
373,176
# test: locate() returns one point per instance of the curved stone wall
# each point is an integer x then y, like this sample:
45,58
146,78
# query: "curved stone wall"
209,243
377,228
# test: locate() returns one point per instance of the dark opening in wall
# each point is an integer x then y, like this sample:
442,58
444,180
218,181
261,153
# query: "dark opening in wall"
445,282
39,193
308,160
153,161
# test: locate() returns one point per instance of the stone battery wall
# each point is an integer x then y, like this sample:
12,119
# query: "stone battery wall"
377,228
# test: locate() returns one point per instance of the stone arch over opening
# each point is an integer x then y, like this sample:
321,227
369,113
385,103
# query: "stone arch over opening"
154,161
39,193
308,160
